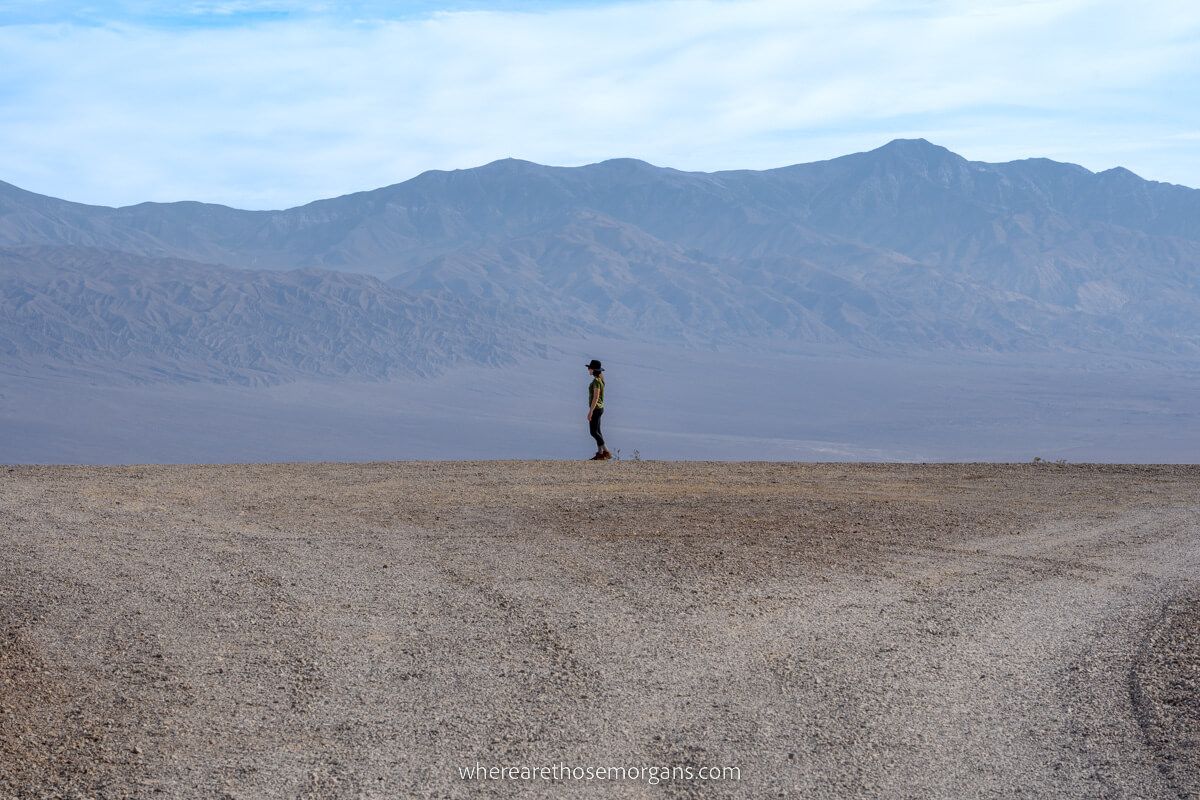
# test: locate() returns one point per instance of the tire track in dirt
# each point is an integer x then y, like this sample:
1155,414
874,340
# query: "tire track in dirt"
1164,688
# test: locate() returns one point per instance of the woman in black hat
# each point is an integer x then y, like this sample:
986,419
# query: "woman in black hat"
596,409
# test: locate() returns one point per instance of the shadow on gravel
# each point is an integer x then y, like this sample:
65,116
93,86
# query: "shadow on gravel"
1164,686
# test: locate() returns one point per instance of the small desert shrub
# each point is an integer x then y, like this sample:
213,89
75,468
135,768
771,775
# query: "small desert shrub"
1059,462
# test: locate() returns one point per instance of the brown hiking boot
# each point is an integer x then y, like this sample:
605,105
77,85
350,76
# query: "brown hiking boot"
597,457
604,455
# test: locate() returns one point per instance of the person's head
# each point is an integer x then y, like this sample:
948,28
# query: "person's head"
594,367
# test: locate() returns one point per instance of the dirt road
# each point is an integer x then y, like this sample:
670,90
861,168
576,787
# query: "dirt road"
370,630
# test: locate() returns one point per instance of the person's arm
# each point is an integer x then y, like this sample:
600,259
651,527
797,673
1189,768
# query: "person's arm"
595,399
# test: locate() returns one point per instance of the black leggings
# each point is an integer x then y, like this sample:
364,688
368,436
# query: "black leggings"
594,427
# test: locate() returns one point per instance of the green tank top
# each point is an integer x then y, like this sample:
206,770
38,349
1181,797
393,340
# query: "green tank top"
596,382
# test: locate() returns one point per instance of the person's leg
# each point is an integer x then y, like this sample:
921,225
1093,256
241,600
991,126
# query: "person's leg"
594,429
603,451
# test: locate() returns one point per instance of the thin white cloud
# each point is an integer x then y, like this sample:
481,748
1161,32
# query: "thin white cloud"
272,114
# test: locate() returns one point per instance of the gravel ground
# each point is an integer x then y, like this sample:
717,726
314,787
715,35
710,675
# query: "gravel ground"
829,630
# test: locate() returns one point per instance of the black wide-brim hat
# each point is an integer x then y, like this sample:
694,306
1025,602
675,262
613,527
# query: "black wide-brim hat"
595,365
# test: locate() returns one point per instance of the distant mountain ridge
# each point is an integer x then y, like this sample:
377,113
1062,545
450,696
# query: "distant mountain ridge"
871,198
905,248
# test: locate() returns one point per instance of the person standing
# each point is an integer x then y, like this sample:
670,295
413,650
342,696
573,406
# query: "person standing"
596,409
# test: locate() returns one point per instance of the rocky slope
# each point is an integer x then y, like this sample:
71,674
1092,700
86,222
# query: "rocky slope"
110,314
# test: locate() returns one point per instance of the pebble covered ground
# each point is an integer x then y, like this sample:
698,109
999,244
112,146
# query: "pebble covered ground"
827,630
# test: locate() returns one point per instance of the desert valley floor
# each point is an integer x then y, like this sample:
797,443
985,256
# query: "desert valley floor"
830,630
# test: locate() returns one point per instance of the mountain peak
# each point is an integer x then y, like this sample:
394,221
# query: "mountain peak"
922,149
624,163
511,165
1120,173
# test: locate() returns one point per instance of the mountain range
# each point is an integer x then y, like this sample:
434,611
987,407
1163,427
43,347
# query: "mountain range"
905,249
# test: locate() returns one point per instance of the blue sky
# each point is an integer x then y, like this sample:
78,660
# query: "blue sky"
273,104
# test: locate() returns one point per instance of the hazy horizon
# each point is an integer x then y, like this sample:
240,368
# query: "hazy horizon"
365,189
271,104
